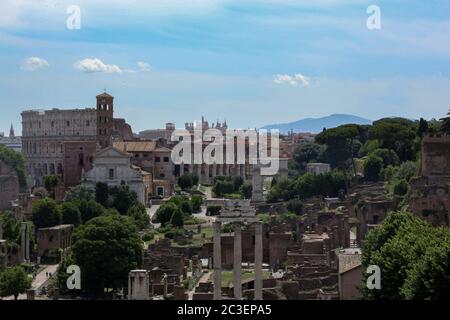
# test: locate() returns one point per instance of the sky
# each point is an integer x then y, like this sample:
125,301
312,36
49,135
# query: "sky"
250,62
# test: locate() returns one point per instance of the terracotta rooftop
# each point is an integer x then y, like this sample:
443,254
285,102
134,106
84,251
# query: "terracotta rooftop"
135,146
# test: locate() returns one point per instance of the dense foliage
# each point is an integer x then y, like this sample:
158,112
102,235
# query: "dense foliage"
15,160
413,256
106,248
46,213
14,281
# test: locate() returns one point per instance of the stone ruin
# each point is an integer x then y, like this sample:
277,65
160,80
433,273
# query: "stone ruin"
430,193
166,268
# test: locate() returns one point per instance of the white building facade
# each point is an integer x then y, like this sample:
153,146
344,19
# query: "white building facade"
114,167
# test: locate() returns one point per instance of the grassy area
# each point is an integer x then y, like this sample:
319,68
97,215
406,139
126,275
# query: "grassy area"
197,238
227,276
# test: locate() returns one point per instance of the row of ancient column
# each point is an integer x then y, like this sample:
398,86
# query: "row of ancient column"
237,261
215,170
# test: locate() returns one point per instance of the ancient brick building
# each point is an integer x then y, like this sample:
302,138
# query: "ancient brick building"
45,134
9,186
430,193
50,240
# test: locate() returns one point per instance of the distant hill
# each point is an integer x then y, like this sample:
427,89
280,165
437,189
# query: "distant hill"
316,125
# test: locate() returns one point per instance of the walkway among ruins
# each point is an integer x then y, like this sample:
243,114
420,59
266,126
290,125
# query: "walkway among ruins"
204,278
40,280
151,212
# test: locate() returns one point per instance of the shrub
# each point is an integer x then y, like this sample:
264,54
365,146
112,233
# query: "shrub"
213,210
400,187
197,202
295,206
372,168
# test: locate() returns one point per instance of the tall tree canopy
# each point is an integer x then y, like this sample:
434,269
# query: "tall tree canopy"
14,281
413,256
106,248
46,213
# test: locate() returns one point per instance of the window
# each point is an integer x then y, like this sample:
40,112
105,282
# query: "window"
166,159
111,174
162,175
68,123
52,123
88,123
157,159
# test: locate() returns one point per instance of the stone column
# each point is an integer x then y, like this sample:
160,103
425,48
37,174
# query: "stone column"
138,285
181,169
237,262
214,170
257,185
23,240
207,168
217,226
258,261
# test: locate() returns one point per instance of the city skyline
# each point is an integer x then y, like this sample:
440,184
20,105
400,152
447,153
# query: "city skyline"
252,63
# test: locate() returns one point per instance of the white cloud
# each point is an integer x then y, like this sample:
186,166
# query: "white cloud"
144,66
34,63
96,65
295,80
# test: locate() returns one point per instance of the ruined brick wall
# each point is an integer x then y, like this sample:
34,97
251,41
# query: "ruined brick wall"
279,244
122,130
435,155
78,157
50,240
9,186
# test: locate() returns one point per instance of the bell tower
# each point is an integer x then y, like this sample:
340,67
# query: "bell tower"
105,122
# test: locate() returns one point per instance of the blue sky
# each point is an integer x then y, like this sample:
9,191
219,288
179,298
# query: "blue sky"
251,62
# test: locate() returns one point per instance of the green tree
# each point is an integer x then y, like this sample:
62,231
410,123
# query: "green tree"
101,193
139,214
372,168
423,127
237,182
306,153
400,187
177,219
369,147
50,182
124,198
413,256
197,202
246,190
296,206
106,248
89,209
165,212
340,143
79,193
397,134
429,278
195,179
11,227
445,123
213,210
283,190
185,181
70,214
15,160
389,156
223,187
14,281
46,213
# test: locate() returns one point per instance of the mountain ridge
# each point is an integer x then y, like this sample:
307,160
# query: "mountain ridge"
316,125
